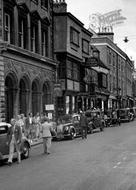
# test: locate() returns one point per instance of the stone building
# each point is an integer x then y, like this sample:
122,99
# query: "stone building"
75,71
120,69
72,47
27,66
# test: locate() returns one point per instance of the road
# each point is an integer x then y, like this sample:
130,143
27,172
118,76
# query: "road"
104,161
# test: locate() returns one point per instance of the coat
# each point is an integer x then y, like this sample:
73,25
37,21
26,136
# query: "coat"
83,121
46,129
17,132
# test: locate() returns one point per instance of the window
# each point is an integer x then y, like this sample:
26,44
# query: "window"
45,43
85,46
72,71
7,28
34,39
44,3
21,33
74,36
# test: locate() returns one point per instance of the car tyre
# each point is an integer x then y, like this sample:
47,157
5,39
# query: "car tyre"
72,134
25,151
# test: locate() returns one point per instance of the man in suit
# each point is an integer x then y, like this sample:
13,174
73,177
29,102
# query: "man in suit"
83,125
14,137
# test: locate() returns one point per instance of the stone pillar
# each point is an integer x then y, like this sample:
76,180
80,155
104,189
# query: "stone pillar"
2,90
16,25
29,31
16,102
39,37
1,20
30,102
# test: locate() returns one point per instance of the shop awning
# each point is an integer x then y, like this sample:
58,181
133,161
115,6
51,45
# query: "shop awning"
97,65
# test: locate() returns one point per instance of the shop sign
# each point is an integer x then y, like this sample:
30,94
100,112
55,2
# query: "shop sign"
49,107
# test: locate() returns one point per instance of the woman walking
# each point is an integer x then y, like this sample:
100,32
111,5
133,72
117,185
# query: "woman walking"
46,134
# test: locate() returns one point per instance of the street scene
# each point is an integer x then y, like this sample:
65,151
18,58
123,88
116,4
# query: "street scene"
67,95
103,161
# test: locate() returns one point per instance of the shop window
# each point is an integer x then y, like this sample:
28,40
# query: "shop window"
74,36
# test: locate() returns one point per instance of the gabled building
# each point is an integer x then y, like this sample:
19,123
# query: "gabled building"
27,66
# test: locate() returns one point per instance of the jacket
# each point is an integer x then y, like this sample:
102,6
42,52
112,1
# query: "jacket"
17,132
83,121
46,129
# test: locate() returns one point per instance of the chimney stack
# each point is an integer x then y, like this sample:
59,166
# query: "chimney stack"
59,6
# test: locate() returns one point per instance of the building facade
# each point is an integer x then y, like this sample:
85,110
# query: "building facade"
72,47
76,72
120,70
27,66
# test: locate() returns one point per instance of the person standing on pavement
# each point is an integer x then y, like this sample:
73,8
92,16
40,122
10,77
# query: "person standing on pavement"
83,125
29,126
46,134
14,137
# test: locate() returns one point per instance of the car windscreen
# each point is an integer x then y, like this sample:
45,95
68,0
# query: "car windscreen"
3,129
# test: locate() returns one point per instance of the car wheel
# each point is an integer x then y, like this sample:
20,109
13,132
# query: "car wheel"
72,134
25,151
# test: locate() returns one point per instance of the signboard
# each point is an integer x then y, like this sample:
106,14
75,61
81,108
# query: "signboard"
49,107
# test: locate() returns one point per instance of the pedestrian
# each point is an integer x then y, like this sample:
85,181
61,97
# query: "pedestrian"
83,125
14,137
46,134
36,121
29,126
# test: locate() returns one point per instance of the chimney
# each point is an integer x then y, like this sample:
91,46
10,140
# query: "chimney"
59,6
106,32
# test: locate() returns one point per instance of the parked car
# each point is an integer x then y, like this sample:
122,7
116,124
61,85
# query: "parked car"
125,114
95,120
4,148
76,122
65,130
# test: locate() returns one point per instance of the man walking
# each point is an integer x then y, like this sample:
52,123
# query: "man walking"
13,140
83,125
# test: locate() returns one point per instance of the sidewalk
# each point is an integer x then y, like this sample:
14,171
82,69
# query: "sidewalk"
35,142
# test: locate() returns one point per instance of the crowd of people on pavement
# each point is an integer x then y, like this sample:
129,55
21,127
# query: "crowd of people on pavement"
34,128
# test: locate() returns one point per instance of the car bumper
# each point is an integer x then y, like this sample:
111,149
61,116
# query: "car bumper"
3,157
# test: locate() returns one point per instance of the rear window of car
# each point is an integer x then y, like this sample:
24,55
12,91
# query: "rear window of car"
3,129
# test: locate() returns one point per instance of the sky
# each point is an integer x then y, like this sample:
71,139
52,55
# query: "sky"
82,9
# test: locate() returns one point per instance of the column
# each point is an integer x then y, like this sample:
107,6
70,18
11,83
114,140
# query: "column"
16,102
16,25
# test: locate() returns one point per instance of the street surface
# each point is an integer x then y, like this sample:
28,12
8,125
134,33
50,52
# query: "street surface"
104,161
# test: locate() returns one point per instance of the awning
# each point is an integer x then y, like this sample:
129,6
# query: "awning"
96,64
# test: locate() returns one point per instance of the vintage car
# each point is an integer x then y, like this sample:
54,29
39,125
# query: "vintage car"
4,149
65,130
95,120
125,114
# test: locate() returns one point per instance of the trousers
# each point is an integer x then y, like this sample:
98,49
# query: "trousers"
12,146
46,144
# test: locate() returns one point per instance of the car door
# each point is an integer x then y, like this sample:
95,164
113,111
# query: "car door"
3,139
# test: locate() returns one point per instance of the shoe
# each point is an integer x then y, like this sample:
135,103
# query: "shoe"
48,152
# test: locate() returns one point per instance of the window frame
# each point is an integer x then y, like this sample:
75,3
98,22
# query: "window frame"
83,46
74,33
7,29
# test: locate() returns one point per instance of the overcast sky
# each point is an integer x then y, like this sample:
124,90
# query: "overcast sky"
83,8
